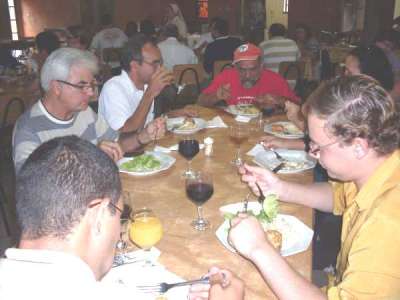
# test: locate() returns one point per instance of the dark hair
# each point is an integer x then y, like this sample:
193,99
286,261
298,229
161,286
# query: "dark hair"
373,62
132,50
305,28
131,28
57,183
147,27
221,26
170,30
48,41
277,29
106,20
358,106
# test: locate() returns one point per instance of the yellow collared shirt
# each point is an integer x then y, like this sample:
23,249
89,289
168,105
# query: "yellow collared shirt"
368,265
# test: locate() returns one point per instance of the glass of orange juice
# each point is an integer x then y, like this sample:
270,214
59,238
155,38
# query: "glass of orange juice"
145,229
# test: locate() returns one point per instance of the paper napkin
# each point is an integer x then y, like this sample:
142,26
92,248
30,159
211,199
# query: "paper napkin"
216,122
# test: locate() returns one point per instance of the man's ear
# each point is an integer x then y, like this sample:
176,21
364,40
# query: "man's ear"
360,147
56,87
98,212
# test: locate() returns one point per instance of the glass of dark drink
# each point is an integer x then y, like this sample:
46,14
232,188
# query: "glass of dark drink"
239,133
188,148
199,188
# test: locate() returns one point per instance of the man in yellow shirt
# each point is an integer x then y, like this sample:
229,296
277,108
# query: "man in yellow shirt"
355,134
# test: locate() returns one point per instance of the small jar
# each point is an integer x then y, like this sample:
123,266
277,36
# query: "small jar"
208,146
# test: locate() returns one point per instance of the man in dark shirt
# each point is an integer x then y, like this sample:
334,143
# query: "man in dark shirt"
222,47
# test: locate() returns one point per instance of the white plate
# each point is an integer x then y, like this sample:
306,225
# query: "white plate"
296,236
171,122
268,160
288,134
166,162
234,109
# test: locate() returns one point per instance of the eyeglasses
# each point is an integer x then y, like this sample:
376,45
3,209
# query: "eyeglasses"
248,70
110,204
83,85
155,64
315,149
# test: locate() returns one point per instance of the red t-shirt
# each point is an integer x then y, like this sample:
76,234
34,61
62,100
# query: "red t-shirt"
269,83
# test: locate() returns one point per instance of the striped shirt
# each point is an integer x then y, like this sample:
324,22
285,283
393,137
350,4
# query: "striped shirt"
277,50
37,126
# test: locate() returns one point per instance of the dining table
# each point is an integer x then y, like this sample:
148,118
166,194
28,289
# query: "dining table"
187,252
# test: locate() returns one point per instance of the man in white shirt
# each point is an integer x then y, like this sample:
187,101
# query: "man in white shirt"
174,52
69,206
127,101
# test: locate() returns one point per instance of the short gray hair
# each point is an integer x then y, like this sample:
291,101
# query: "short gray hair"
59,63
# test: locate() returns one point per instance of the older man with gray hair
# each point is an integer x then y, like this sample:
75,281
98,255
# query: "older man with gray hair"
67,77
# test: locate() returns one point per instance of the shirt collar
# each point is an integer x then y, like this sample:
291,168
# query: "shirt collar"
130,82
385,177
51,257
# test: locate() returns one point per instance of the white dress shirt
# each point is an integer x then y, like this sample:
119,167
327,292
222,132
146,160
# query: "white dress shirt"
175,53
45,275
119,99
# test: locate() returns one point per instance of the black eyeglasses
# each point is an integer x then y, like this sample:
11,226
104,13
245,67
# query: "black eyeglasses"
155,64
316,149
109,203
83,86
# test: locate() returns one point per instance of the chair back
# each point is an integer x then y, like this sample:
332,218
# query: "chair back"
14,108
221,65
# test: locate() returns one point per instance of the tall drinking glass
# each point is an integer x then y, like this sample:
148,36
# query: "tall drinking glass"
145,230
239,133
188,148
199,188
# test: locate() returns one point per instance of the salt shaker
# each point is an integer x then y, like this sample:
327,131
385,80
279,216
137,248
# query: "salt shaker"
208,145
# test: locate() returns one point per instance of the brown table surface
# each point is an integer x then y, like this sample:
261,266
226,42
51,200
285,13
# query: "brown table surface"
190,253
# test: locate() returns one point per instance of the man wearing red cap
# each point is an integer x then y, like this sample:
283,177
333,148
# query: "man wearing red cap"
248,82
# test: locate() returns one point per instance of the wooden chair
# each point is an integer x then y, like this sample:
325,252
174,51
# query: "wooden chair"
189,74
221,65
14,108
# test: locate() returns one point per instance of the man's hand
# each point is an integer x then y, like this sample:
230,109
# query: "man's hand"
274,142
112,149
294,114
154,130
267,180
159,80
247,236
224,92
232,288
268,100
183,112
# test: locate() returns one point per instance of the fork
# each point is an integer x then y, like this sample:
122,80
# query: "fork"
163,287
261,197
277,155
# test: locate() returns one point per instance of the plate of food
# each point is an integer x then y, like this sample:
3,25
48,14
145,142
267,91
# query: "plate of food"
294,161
247,110
286,130
184,125
146,164
285,232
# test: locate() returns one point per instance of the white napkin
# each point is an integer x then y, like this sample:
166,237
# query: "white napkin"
243,119
255,150
170,148
216,122
130,276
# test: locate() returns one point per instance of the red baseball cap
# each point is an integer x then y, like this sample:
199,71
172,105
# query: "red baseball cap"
246,52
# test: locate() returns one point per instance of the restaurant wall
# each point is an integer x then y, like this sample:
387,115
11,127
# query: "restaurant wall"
397,9
40,14
5,30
